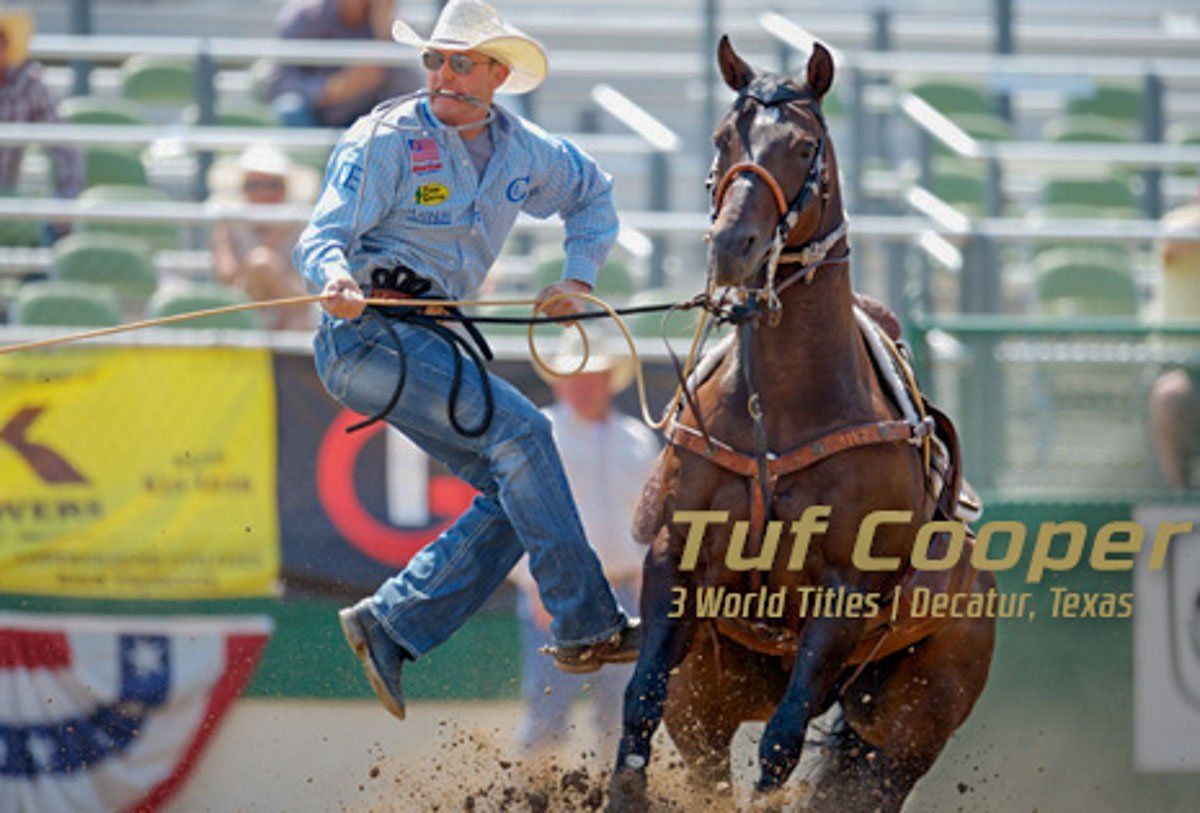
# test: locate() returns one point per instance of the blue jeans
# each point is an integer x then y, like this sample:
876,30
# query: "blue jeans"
524,503
547,712
291,110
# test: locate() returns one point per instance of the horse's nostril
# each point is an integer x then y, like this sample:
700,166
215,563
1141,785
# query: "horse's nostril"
748,244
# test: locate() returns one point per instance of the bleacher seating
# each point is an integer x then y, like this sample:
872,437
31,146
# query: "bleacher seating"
1080,287
1089,128
63,304
117,262
1114,101
952,98
162,236
247,114
175,301
1105,198
99,110
159,80
114,165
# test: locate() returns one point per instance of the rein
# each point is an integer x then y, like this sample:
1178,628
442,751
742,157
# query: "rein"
430,313
406,291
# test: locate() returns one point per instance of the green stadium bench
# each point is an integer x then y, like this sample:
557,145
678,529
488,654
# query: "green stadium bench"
962,190
980,126
19,233
1086,289
952,98
1112,100
157,235
158,80
1105,197
202,297
121,264
1089,128
99,110
244,115
65,304
114,165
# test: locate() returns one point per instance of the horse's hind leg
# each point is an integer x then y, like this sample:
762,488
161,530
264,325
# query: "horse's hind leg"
904,709
855,775
701,716
663,647
716,688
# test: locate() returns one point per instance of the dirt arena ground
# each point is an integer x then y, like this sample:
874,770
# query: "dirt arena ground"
351,757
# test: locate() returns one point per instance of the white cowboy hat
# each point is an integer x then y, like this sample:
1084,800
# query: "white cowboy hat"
229,171
605,354
468,25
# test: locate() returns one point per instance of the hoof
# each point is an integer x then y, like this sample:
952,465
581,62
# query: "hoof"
627,792
774,801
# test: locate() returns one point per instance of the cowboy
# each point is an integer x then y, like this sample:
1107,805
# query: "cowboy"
419,197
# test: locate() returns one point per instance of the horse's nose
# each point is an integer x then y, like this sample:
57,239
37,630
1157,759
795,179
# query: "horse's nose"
734,249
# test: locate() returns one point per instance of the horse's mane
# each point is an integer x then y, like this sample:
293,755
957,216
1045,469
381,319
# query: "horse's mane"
884,316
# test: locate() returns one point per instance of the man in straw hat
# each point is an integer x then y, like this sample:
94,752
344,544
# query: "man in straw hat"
607,456
420,197
256,258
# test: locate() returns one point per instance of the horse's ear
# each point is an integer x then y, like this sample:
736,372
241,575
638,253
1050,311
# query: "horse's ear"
735,70
820,70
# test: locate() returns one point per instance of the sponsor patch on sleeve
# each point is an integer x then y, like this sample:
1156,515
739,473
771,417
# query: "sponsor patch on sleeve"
349,176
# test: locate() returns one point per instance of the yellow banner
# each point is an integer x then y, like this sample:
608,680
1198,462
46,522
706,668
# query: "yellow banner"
138,473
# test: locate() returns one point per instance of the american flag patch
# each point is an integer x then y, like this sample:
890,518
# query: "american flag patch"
423,154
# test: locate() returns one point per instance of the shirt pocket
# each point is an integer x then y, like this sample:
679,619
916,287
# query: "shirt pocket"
341,350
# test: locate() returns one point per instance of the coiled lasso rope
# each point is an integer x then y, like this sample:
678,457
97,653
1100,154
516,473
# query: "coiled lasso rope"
535,356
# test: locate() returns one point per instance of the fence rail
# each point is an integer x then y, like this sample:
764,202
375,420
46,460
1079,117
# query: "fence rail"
213,137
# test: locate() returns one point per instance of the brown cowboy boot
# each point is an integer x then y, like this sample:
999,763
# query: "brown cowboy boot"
621,647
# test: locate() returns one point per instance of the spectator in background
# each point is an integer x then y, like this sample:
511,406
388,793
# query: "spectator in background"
25,98
607,456
319,95
256,259
1175,397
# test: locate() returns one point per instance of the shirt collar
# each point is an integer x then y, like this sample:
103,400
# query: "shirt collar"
500,124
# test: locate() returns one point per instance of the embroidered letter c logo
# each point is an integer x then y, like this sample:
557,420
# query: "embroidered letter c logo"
518,189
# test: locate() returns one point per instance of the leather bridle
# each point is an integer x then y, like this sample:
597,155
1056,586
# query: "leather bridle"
811,255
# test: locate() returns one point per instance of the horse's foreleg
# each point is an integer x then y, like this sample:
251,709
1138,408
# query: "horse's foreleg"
663,647
824,645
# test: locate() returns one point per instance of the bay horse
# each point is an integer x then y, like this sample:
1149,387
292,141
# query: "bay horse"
798,386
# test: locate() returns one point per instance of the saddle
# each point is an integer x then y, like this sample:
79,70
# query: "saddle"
924,424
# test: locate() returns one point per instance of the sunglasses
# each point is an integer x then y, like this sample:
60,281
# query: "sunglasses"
459,63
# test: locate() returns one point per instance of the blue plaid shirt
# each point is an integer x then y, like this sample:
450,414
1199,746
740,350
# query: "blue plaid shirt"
425,206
